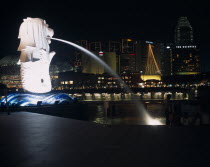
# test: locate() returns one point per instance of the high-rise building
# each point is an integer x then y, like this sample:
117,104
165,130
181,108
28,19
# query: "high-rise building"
185,60
141,56
78,55
113,46
148,60
128,56
95,46
183,32
93,67
90,65
185,53
108,51
163,55
110,59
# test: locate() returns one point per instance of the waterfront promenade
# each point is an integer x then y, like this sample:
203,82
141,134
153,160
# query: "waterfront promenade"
30,139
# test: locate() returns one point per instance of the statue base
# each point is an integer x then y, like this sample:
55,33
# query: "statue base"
30,99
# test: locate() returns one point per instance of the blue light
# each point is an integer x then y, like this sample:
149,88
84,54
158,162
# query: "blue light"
28,99
149,42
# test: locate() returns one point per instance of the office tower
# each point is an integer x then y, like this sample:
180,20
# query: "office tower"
128,55
183,32
185,53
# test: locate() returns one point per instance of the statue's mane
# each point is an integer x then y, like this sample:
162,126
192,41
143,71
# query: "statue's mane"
33,32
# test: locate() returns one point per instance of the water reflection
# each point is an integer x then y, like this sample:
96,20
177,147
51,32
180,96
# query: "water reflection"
129,96
126,114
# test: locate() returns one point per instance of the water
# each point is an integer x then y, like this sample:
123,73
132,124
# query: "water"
124,113
141,110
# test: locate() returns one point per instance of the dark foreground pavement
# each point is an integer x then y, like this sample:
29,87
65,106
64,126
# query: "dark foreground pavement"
28,139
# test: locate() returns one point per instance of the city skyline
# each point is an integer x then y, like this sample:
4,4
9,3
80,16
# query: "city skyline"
75,21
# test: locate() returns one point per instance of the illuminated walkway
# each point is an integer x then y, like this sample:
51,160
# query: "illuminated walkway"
29,139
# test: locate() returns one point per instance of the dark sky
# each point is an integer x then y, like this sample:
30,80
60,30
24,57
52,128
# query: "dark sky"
74,20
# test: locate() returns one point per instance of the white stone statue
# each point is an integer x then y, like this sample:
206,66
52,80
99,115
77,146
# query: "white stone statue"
35,58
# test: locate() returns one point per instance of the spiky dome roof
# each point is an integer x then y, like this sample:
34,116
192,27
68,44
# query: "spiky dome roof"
9,60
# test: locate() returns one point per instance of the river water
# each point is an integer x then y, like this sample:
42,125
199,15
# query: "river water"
125,112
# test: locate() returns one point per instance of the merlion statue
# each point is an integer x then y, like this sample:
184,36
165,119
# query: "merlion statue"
35,58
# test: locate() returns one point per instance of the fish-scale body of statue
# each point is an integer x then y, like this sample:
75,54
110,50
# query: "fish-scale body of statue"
35,55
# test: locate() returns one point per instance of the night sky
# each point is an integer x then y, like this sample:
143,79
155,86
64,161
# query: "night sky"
75,20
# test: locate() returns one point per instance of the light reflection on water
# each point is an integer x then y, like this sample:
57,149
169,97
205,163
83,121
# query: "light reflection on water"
137,96
126,114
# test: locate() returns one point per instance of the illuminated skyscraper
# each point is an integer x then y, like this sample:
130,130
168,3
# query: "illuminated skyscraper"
163,56
128,55
185,54
183,32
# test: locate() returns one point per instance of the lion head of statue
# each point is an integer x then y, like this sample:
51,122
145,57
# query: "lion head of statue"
34,32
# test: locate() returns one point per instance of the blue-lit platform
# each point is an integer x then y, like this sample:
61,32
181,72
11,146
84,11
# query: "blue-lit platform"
29,99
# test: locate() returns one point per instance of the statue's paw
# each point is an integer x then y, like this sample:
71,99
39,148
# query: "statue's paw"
51,55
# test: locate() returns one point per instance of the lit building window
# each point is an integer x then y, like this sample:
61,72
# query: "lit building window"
71,82
66,82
